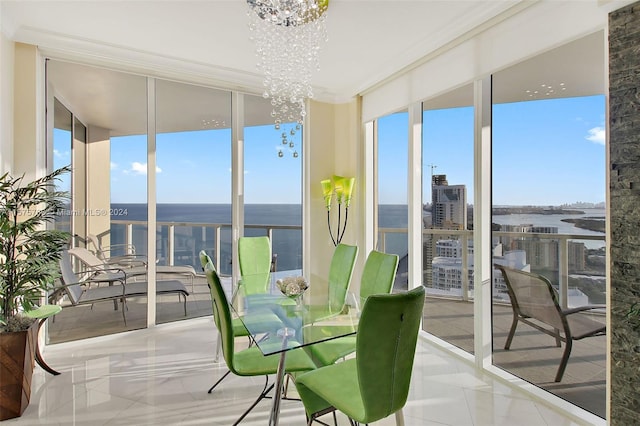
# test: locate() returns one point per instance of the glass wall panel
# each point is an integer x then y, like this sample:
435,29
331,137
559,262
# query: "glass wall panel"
273,184
447,191
392,163
109,186
548,189
193,189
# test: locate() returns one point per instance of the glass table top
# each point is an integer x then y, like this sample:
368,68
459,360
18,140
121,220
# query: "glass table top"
279,323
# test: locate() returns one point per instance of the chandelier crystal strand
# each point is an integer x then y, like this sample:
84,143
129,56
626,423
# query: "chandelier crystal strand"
287,35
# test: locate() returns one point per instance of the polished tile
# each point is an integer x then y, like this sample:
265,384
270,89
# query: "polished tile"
160,376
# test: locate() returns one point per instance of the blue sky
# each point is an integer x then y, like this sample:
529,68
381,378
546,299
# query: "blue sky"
545,152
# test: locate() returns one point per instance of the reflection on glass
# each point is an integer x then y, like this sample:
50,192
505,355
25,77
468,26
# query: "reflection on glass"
272,184
447,184
62,157
393,149
194,180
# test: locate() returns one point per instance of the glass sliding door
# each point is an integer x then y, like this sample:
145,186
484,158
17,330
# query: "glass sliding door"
108,183
548,190
193,187
392,174
447,190
273,183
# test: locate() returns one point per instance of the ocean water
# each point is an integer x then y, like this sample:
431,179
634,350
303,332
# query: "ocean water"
287,244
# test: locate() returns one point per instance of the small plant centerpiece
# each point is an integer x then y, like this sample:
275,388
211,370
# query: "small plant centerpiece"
293,287
29,255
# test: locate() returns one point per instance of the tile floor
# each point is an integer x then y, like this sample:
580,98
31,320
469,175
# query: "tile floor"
160,376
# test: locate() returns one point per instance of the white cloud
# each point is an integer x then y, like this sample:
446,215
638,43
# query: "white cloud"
141,168
59,154
596,135
113,165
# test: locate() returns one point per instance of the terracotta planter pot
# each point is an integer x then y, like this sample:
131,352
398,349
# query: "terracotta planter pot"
17,351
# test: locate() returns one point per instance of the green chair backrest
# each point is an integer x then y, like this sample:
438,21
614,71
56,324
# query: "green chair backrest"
378,274
254,257
221,315
387,334
340,272
204,259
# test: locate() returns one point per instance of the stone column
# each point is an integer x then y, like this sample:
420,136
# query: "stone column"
624,202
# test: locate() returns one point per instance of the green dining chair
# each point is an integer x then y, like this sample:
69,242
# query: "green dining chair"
266,321
340,272
256,263
254,259
378,275
374,385
250,361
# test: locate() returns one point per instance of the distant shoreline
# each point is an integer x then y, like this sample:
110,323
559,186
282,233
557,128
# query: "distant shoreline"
590,223
533,210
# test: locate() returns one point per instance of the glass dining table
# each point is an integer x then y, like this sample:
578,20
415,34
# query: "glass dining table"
301,323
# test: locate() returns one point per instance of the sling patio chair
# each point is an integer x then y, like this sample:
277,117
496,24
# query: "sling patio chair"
94,266
374,384
534,301
78,290
123,255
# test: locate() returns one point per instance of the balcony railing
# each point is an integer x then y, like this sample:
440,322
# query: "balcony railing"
174,247
210,237
465,236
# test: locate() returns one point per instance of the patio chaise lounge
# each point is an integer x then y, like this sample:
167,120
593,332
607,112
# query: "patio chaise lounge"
79,293
96,267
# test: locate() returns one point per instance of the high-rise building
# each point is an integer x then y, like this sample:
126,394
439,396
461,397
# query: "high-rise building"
448,204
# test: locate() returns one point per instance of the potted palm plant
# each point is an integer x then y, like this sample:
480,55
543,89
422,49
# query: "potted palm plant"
29,254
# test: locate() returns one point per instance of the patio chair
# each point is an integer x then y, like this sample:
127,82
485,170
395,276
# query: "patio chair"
127,258
378,275
535,302
375,384
250,361
94,266
79,293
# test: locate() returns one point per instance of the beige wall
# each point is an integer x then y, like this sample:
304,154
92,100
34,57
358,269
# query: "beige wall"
6,104
28,125
333,147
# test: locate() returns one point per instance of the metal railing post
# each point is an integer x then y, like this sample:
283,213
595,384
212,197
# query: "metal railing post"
171,244
218,257
563,271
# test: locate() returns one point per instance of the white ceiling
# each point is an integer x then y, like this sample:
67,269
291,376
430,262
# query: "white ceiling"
369,41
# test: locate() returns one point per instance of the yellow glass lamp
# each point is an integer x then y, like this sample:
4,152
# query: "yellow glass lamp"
342,188
327,192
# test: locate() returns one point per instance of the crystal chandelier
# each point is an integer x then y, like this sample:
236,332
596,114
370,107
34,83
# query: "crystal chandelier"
287,34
